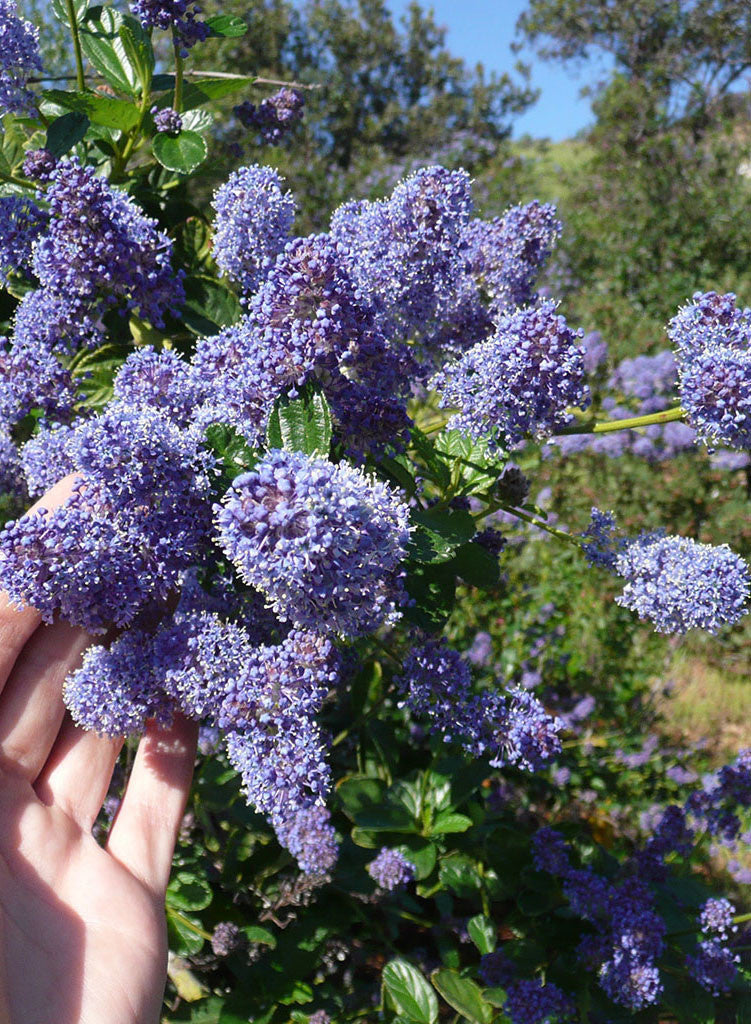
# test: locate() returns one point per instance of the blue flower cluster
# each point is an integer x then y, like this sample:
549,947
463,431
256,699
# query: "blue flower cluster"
509,727
21,222
275,116
532,1002
518,383
177,16
254,217
675,582
712,339
168,121
19,58
324,543
507,253
714,965
391,870
628,936
136,519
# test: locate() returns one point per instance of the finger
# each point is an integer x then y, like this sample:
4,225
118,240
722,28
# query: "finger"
31,709
78,773
17,625
145,830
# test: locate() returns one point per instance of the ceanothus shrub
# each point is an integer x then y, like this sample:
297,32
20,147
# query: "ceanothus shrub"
284,453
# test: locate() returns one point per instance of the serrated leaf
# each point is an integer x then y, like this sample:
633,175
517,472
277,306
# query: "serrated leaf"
448,821
60,9
411,993
138,50
231,447
227,25
483,933
301,424
101,42
197,120
454,525
65,132
104,110
209,305
182,152
463,994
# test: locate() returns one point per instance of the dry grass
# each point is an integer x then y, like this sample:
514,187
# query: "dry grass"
706,703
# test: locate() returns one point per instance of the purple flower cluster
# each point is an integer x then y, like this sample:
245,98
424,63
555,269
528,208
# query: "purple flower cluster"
167,121
511,727
254,217
532,1002
136,518
628,933
678,584
38,164
322,542
712,338
507,254
101,251
19,58
714,965
275,116
160,381
21,223
177,16
675,582
307,321
405,252
520,382
391,870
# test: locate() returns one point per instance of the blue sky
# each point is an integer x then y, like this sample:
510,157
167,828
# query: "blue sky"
483,30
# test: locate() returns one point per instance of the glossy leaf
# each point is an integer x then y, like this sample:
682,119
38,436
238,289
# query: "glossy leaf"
101,42
463,994
301,424
60,10
483,933
182,152
411,993
227,25
448,821
65,132
104,110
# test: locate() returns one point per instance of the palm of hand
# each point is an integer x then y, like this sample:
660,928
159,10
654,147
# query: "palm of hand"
82,928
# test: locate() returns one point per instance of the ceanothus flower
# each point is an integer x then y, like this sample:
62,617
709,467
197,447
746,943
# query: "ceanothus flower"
168,121
19,58
137,518
531,1002
46,321
116,690
709,320
391,870
274,116
178,16
102,251
520,382
254,216
158,380
310,837
323,542
10,463
21,223
38,164
680,584
714,965
506,254
48,457
406,251
32,377
715,389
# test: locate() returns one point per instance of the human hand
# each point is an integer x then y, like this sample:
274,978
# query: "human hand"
82,927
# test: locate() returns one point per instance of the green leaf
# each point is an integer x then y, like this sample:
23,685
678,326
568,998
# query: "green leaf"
433,588
479,468
227,25
198,120
188,892
463,994
411,993
102,110
182,938
138,50
422,853
483,933
454,526
232,448
65,132
101,42
199,91
301,424
60,9
477,566
95,371
182,152
262,936
448,821
459,873
358,793
385,819
209,305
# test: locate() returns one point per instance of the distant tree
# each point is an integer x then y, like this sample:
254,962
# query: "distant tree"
387,94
